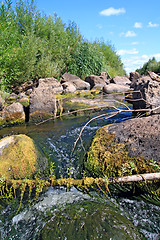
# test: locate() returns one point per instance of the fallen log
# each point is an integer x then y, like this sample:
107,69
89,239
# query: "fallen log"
87,181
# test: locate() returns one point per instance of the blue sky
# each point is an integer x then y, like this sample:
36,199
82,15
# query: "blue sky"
132,27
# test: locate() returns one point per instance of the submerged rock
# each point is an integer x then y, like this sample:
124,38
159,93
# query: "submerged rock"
89,220
19,158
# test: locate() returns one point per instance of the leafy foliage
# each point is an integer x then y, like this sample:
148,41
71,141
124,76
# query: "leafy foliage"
152,65
34,45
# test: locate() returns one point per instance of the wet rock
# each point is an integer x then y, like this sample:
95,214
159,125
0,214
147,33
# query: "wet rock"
140,135
89,220
19,158
114,88
12,114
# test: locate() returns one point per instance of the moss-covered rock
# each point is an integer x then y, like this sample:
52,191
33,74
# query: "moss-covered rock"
89,220
19,158
108,157
12,114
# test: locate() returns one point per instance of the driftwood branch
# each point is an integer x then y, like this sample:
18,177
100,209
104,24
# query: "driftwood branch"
88,181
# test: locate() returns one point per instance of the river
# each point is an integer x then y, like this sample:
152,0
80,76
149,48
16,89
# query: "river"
67,215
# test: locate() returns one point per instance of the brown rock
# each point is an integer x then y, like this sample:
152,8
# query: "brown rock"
43,98
78,83
120,80
114,88
13,113
141,135
96,81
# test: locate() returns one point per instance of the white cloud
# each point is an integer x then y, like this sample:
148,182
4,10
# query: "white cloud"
138,25
130,34
134,62
152,25
134,43
112,11
124,51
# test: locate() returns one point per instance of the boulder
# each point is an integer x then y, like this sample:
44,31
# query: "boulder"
19,158
68,87
13,113
140,135
43,99
94,81
114,88
67,77
134,76
78,83
52,83
146,92
120,80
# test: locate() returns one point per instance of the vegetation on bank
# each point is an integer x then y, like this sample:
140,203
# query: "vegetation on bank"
152,65
35,45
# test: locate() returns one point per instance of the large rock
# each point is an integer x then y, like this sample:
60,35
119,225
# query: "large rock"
115,88
78,83
120,80
43,98
133,76
96,81
146,92
19,158
67,77
12,114
68,87
52,83
140,135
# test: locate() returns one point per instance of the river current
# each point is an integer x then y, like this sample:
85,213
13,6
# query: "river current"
67,215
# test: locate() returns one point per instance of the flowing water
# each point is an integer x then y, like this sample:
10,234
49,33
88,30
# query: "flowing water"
67,215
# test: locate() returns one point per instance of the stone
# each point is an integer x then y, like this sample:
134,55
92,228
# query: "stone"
115,88
78,83
154,76
133,76
120,80
52,83
43,99
145,93
95,80
12,114
67,77
68,87
141,136
20,158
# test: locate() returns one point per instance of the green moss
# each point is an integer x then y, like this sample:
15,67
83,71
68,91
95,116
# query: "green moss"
12,119
89,220
19,158
108,158
24,101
